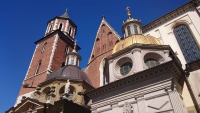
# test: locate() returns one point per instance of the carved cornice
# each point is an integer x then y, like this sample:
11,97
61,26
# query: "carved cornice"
138,77
184,8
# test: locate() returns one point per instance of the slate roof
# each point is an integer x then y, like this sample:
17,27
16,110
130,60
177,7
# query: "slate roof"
70,72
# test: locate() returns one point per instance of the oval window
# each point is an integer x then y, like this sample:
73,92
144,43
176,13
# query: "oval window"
151,63
125,68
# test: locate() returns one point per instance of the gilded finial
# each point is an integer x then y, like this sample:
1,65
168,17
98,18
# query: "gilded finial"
128,12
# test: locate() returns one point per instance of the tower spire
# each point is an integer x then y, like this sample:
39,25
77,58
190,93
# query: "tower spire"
65,14
128,12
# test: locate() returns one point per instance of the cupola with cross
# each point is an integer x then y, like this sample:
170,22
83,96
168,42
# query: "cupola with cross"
131,26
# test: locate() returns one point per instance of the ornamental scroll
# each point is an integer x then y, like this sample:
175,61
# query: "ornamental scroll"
128,108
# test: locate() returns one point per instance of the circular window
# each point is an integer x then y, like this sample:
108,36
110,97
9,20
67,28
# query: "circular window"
151,62
152,59
125,68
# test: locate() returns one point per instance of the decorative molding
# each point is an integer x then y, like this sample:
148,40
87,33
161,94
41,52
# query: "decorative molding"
30,63
52,53
120,61
38,74
128,108
167,17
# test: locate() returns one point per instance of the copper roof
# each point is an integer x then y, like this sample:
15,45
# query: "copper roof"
70,72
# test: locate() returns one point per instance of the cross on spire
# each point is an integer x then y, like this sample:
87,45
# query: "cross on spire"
128,12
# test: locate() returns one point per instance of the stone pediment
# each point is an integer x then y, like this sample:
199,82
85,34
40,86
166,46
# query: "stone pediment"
26,106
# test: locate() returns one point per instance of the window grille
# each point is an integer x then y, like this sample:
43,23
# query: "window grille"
125,68
129,30
187,43
135,29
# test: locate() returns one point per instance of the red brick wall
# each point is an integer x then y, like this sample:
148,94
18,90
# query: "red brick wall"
33,82
44,57
58,58
102,49
59,55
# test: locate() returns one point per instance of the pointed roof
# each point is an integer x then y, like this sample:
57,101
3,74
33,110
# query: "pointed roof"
109,26
65,15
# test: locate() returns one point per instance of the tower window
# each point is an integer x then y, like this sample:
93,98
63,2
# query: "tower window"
151,63
44,47
135,29
66,49
125,68
129,30
70,30
38,67
50,28
97,39
72,60
187,43
60,27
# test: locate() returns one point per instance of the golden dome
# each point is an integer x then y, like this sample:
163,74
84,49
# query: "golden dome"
133,39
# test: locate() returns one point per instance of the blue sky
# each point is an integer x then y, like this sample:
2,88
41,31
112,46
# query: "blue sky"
24,21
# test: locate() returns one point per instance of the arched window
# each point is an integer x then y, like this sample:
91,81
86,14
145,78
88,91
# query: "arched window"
66,49
60,27
187,43
38,67
97,39
63,64
129,30
151,62
44,47
70,31
50,28
135,29
72,60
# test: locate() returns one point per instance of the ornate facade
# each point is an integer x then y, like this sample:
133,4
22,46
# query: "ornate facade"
152,69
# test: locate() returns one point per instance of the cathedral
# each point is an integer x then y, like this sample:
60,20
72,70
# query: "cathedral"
151,69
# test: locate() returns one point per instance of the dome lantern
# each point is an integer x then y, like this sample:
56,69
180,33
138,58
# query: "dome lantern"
131,26
73,58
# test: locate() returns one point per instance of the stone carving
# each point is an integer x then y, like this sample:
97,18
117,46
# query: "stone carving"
128,108
67,87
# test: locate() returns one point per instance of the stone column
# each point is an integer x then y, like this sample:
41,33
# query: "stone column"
137,59
141,105
111,71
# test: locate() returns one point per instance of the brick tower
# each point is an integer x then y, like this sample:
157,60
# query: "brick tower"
50,52
105,40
